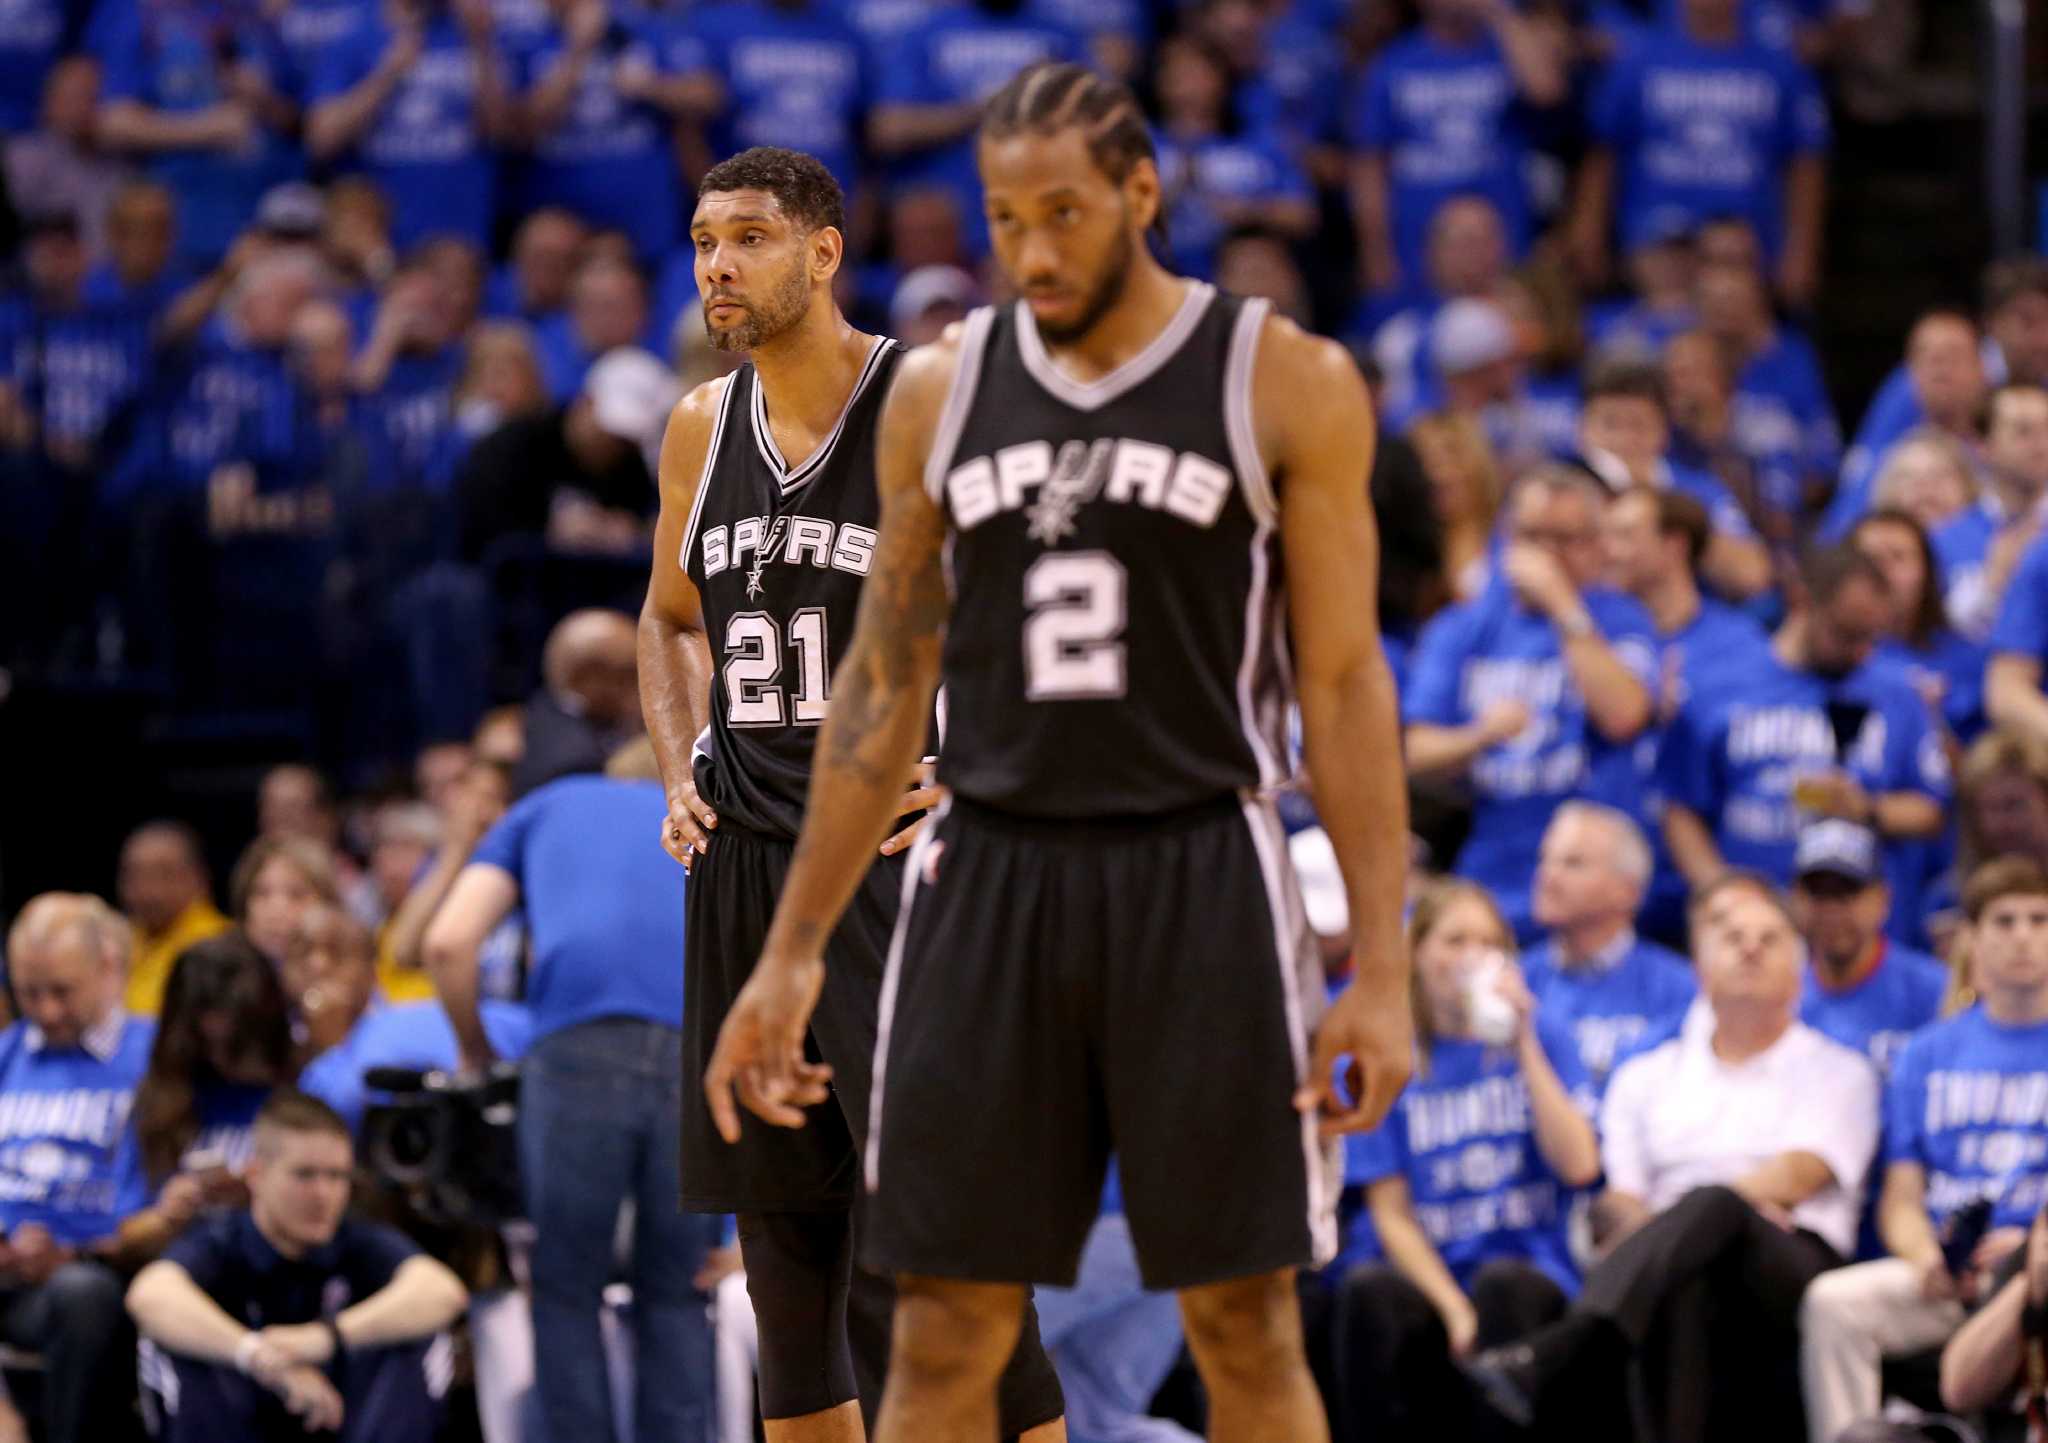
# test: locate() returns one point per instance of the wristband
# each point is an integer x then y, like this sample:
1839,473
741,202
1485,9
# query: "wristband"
334,1336
2034,1322
245,1351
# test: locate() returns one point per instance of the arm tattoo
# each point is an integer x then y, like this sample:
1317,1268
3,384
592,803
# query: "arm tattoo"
903,612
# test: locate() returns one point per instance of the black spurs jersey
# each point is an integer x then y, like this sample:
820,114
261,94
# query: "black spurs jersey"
1117,643
778,556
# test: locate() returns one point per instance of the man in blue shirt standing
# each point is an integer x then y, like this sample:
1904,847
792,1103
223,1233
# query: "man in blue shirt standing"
2019,649
1862,989
1592,974
1980,548
601,1107
1442,113
1966,1117
794,73
69,1173
1697,122
1535,692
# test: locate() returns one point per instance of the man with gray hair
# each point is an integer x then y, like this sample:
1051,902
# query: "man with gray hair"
1591,972
68,1073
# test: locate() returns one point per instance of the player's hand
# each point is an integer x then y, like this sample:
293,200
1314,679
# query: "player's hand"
924,794
311,1398
760,1049
1378,1035
686,830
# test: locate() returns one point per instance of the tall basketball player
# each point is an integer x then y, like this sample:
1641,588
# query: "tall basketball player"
1110,512
768,528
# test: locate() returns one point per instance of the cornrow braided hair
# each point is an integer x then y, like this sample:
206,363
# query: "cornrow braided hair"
1048,98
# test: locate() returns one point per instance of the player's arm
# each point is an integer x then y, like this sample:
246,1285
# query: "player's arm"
870,743
1315,427
675,655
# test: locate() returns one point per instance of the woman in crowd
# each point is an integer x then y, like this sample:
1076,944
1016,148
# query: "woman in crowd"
1945,666
2001,811
1468,1183
273,884
1927,476
1465,483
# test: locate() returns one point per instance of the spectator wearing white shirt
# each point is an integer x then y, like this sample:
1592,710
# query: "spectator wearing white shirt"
1735,1156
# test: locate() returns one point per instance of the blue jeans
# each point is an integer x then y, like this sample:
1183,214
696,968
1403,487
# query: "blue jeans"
600,1122
1113,1343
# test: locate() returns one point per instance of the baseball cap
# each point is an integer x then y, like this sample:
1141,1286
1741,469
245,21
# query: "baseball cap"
929,286
631,394
1468,334
293,209
1837,848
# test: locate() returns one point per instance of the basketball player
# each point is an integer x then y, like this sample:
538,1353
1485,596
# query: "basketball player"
1090,501
767,530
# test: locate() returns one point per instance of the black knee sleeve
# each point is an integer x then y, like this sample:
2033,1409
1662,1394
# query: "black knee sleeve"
799,1266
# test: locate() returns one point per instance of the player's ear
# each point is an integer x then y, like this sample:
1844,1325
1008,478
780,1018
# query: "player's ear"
827,249
1142,193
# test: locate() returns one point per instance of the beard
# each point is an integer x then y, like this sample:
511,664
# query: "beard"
1105,291
778,311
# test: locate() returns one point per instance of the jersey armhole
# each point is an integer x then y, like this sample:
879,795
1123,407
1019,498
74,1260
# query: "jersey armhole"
732,384
959,401
1237,413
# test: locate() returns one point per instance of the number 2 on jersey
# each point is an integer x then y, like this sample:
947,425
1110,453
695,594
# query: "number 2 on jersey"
1072,645
753,665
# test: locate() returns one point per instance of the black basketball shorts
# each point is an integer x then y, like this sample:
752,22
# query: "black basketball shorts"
1060,991
729,902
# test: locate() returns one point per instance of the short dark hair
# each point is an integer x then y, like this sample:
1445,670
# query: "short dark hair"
1679,515
1053,96
1929,615
800,183
1826,572
2006,280
2002,877
290,1110
1626,377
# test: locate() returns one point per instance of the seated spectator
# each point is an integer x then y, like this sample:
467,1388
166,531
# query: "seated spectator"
1945,667
500,383
1783,417
929,300
1444,112
1467,259
207,105
1927,476
1696,122
929,97
1464,491
273,884
607,309
61,164
410,360
1981,549
606,917
596,145
1864,990
1625,435
2019,645
534,284
168,901
1735,1155
356,238
1662,281
414,96
2002,799
1699,392
470,807
329,975
1654,542
68,1074
1481,374
1535,692
1592,975
289,1318
576,477
404,836
1949,1141
1813,731
138,270
1941,388
1468,1181
1217,172
1998,1359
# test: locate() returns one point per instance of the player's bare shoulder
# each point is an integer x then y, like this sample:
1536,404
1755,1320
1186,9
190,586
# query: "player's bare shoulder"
686,443
1307,392
918,391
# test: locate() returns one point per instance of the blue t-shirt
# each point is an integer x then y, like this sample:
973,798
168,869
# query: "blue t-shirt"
1724,512
1463,1136
1735,764
1703,131
1968,1102
414,414
1784,422
604,902
2022,627
1880,1014
608,159
227,1126
1958,664
425,149
1962,545
238,399
80,371
235,1265
1298,89
1202,176
1449,123
32,35
172,55
1611,1003
957,57
794,77
1634,328
413,1035
1774,24
67,1158
1893,412
1490,649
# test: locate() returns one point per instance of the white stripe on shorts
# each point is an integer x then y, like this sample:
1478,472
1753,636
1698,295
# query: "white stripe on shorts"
892,975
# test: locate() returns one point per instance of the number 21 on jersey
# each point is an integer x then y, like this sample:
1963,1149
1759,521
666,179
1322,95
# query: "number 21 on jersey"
754,643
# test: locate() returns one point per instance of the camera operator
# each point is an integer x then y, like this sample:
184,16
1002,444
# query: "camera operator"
2002,1352
289,1318
600,1118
